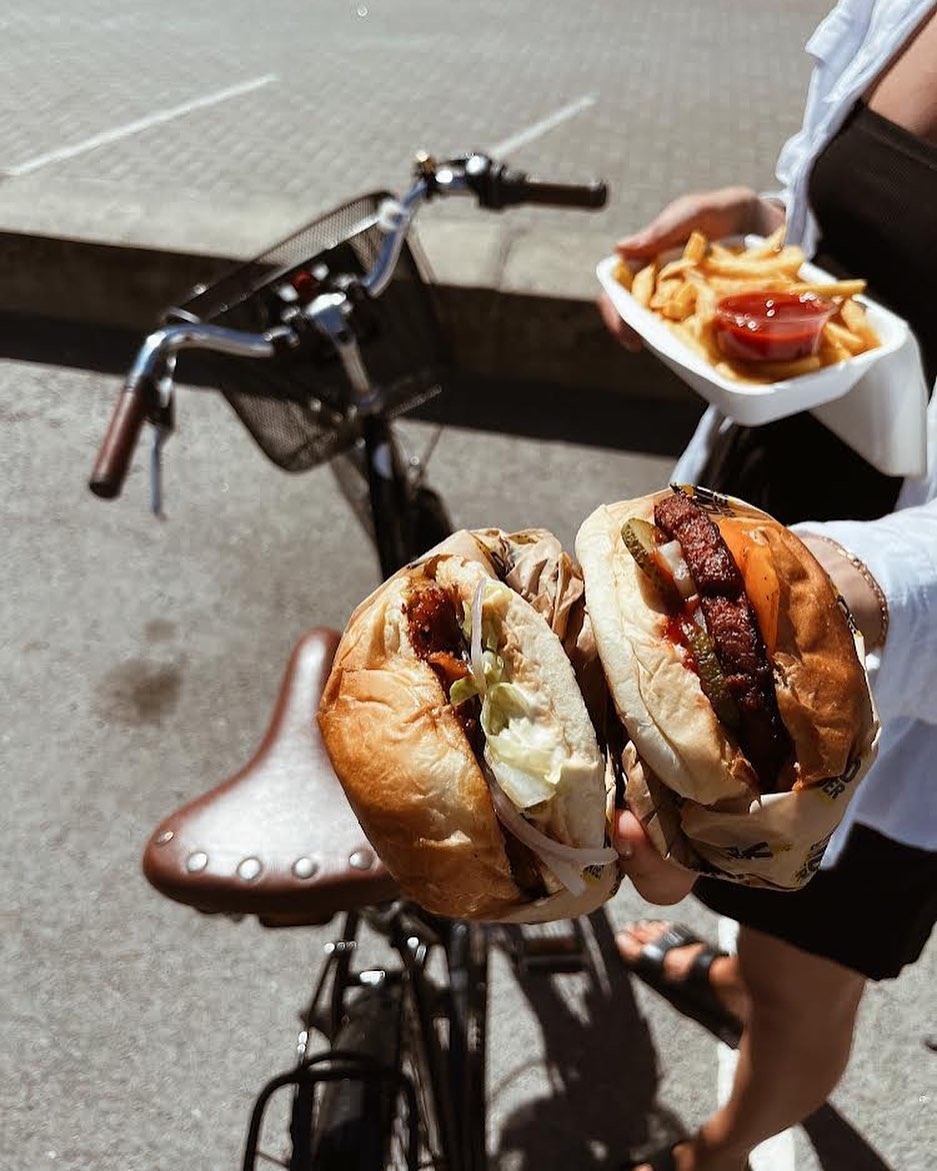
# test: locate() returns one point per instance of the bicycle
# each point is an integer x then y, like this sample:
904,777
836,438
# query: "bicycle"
402,1079
292,310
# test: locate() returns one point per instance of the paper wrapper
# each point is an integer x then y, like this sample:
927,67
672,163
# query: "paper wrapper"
775,841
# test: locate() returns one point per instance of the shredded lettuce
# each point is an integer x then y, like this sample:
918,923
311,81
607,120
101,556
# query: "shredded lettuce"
524,746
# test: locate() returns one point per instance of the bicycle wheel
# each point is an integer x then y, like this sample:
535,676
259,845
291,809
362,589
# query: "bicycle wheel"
430,521
468,978
407,518
363,1125
401,519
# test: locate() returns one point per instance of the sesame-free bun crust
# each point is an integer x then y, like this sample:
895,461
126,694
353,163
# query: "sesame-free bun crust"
820,683
411,775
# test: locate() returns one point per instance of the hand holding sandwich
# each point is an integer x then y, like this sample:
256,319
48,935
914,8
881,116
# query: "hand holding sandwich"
491,704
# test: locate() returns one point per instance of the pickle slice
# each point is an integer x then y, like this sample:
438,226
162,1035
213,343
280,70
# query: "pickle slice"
711,677
640,538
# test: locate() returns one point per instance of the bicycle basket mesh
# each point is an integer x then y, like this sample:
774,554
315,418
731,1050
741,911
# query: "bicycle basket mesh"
295,405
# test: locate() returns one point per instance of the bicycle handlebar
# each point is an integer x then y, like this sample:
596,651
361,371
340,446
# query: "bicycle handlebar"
130,412
495,185
139,399
507,188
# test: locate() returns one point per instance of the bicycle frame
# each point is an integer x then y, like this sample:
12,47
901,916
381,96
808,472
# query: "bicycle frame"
456,1069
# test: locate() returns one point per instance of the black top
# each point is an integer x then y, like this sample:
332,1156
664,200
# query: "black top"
873,191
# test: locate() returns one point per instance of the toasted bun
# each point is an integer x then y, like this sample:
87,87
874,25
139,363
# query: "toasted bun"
410,773
820,683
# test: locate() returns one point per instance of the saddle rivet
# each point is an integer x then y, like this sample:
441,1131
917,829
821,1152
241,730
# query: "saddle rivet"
196,862
361,860
305,867
250,869
166,836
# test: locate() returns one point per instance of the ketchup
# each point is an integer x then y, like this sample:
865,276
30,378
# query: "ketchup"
674,632
771,327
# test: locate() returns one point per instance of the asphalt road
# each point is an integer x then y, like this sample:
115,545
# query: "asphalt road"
244,103
139,660
139,663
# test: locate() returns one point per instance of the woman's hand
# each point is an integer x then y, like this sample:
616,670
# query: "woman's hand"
730,211
656,880
856,585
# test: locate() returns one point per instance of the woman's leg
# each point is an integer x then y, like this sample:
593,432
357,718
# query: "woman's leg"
793,1051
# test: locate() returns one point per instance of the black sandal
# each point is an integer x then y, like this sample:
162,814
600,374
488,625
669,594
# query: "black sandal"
693,996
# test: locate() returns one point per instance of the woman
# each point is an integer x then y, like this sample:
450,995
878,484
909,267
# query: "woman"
860,194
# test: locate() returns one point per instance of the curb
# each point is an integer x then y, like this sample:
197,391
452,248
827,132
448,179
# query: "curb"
518,304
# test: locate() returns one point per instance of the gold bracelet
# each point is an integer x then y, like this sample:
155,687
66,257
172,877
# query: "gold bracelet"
863,570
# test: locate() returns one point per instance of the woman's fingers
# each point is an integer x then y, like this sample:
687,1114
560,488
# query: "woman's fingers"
670,229
730,211
655,879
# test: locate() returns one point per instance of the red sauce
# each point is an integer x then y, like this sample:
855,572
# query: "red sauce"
771,327
674,632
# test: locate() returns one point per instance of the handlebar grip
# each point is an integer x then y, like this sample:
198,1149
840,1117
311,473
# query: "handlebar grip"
516,187
116,451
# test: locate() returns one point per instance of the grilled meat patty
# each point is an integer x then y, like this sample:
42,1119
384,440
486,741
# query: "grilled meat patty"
734,631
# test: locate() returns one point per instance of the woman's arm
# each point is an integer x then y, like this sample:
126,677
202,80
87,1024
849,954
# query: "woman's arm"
899,555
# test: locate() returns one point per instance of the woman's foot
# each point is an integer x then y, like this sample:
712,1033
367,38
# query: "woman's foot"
680,965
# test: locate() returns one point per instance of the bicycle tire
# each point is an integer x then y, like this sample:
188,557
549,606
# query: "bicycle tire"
361,1127
420,517
469,955
354,1120
430,522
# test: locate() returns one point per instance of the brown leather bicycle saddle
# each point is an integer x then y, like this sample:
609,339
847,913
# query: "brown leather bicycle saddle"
278,840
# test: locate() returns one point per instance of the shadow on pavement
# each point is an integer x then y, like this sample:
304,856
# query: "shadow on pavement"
838,1146
630,421
602,1068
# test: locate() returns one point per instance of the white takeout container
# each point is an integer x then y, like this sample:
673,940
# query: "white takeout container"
875,402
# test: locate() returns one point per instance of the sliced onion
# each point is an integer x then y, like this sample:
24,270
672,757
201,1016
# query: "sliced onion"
671,553
478,663
566,862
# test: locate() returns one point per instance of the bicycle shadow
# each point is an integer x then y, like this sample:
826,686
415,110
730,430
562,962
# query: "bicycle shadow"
603,1072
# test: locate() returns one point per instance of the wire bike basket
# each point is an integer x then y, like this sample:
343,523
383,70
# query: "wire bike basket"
295,405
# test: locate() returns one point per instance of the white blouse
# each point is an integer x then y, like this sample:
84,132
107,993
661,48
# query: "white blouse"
898,797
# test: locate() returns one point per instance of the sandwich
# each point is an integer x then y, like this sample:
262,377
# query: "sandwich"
730,659
455,722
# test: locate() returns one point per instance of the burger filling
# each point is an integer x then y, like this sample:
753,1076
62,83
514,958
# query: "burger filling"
711,620
510,726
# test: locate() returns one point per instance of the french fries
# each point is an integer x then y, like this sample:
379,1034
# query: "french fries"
685,292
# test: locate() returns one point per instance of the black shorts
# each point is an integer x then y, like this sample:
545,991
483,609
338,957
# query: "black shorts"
872,912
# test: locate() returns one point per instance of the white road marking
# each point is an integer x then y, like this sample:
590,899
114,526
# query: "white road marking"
776,1154
119,132
545,124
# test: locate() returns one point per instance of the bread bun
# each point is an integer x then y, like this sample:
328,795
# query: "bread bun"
409,769
821,688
